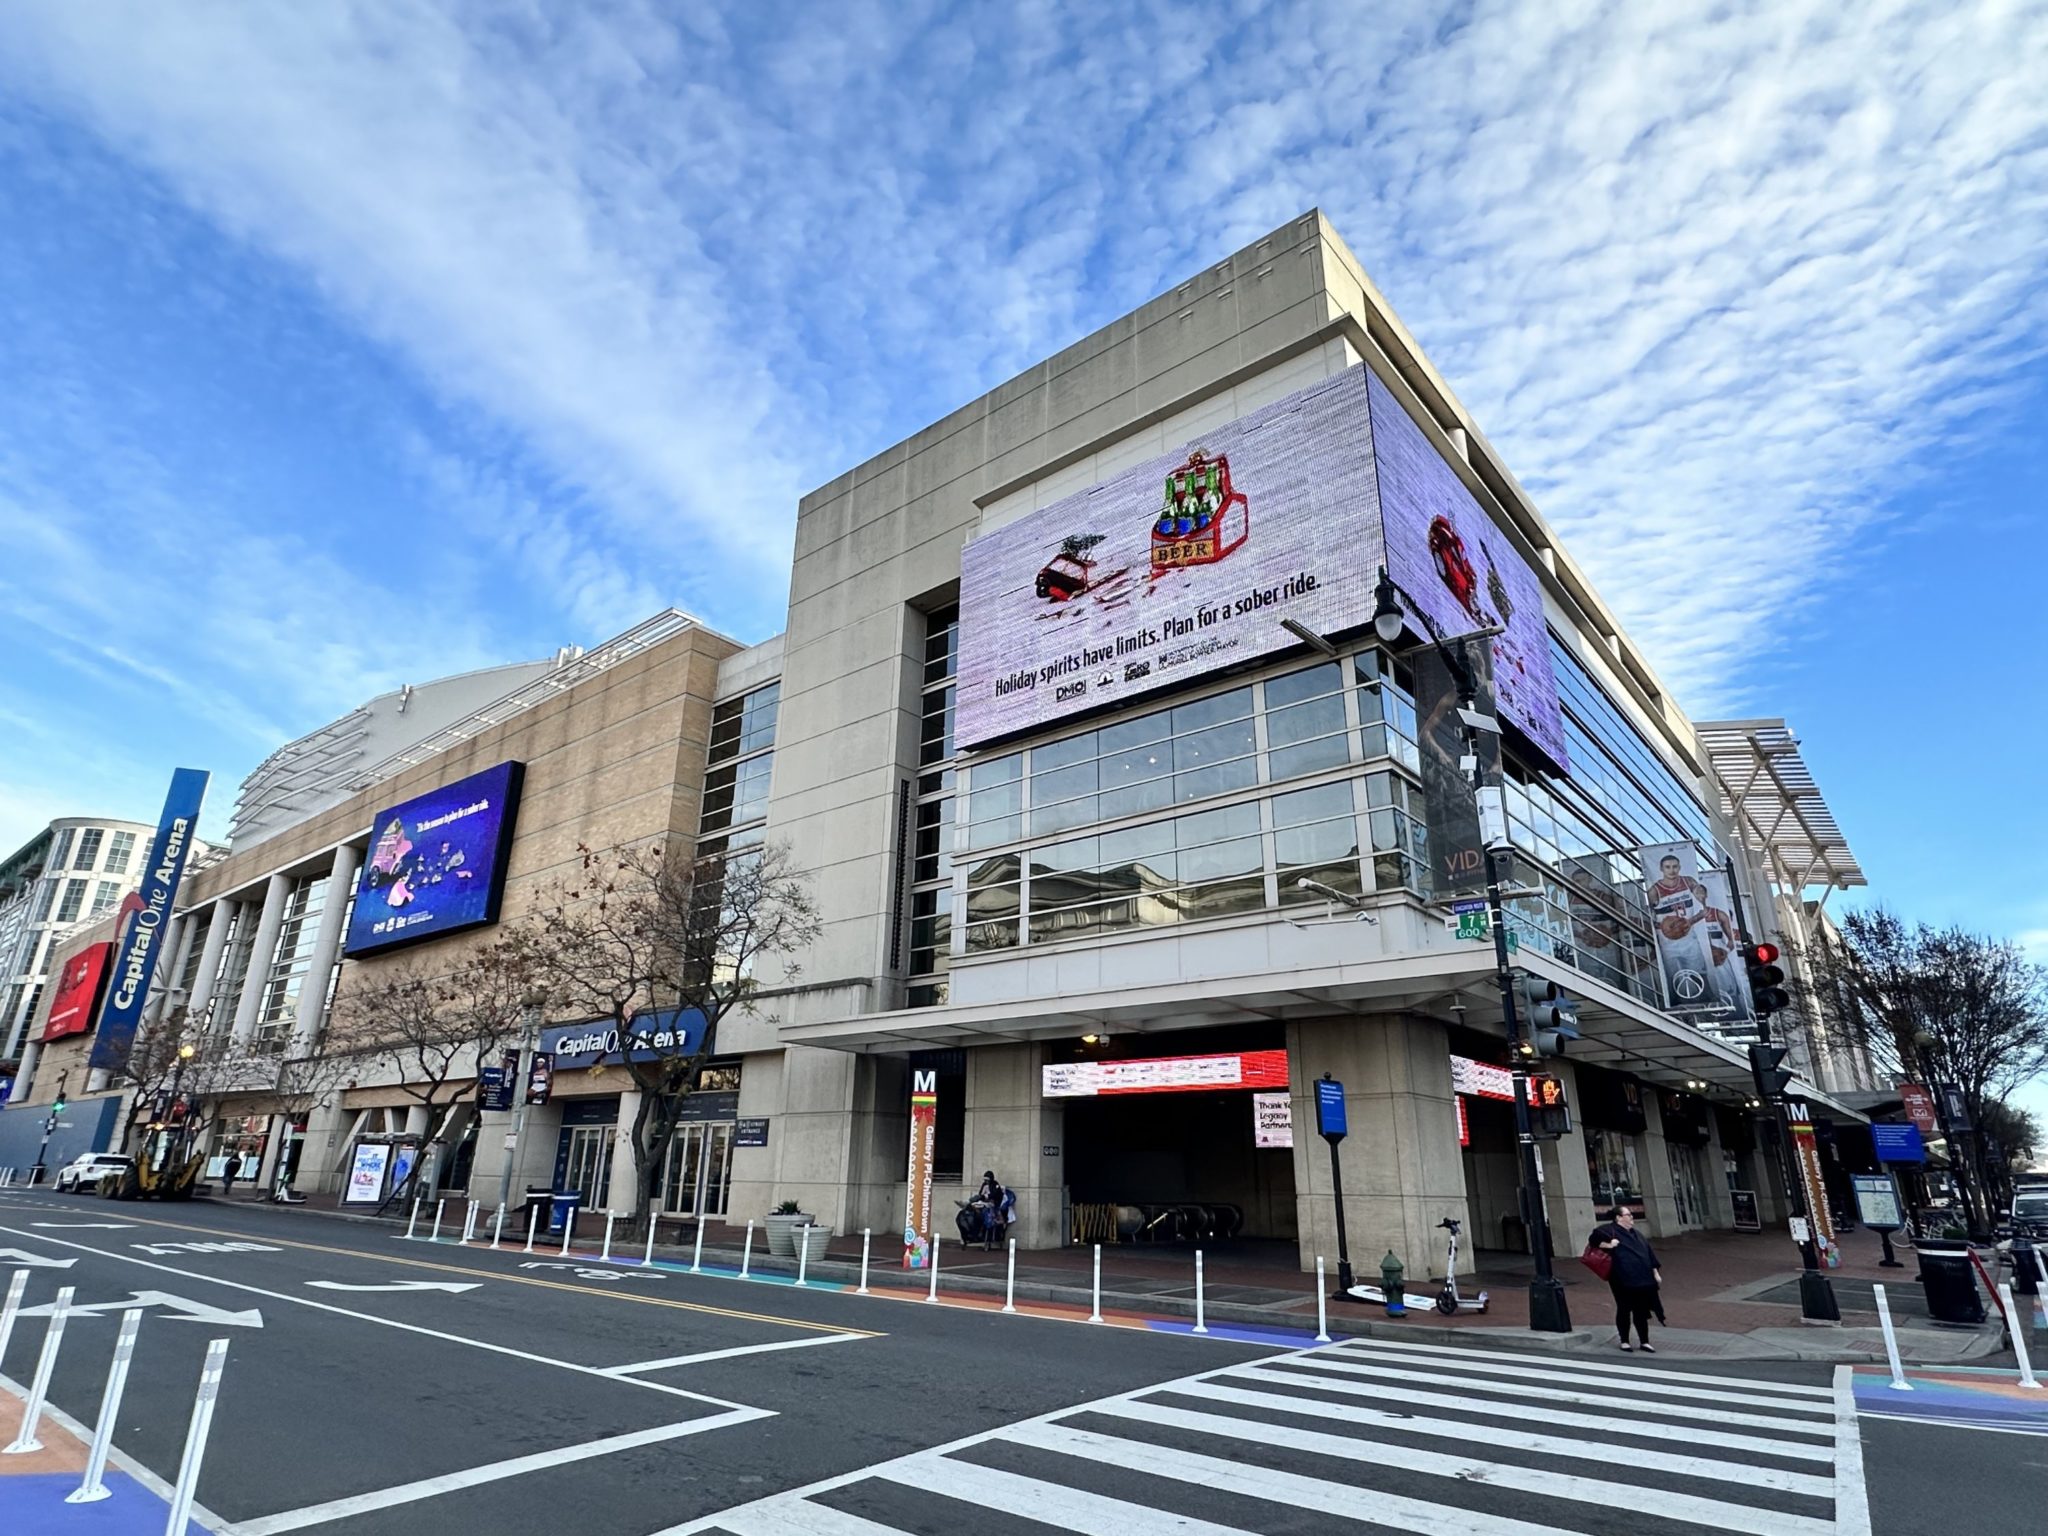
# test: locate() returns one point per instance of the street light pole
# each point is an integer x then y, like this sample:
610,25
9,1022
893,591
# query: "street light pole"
528,1044
1548,1311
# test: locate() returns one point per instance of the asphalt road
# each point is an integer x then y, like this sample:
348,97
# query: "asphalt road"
532,1394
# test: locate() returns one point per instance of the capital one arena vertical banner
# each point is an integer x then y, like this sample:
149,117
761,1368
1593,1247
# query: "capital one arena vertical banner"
1188,563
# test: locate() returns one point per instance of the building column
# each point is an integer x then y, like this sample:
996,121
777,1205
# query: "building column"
25,1074
178,951
341,876
217,926
1660,1194
1009,1124
255,980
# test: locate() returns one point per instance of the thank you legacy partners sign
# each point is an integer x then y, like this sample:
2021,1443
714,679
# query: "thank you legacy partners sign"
142,943
924,1137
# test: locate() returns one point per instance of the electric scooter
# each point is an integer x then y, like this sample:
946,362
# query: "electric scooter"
1448,1301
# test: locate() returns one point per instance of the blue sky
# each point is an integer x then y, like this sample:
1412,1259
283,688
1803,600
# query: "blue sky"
346,345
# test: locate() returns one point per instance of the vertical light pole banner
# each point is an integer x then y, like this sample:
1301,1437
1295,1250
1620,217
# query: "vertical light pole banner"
1695,933
136,964
924,1136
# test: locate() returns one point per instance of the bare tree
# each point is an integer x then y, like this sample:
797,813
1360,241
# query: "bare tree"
1939,1002
662,946
437,1024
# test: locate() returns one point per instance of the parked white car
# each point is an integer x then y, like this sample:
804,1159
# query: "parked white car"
86,1170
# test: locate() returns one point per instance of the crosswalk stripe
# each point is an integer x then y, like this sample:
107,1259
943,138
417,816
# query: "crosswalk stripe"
1311,1369
1638,1498
1549,1372
1285,1488
1066,1509
1603,1451
1798,1450
1530,1361
800,1517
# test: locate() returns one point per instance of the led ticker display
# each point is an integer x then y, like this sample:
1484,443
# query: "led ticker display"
437,862
1165,1074
1189,562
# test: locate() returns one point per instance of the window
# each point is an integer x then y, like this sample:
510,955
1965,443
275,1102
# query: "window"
88,848
740,762
104,897
932,809
73,901
285,977
119,851
60,851
46,898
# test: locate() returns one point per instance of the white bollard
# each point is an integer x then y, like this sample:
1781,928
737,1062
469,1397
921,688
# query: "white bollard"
2017,1327
1010,1285
653,1221
697,1253
803,1254
413,1220
1095,1295
747,1251
933,1293
532,1221
195,1438
46,1362
498,1226
1891,1342
865,1234
568,1227
1322,1305
435,1235
469,1221
10,1306
606,1256
90,1489
1200,1326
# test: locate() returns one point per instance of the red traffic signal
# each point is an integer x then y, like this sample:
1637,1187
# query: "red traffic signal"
1766,979
1763,954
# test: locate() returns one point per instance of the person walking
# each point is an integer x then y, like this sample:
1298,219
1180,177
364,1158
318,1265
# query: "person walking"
1634,1276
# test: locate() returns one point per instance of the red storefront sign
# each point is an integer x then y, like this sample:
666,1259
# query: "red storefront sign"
1166,1074
78,992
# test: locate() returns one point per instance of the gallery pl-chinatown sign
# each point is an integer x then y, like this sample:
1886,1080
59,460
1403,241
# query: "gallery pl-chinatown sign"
141,945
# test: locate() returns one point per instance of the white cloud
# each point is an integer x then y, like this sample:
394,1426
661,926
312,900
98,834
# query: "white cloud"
1712,276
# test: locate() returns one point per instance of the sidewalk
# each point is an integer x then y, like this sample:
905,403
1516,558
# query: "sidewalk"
1727,1295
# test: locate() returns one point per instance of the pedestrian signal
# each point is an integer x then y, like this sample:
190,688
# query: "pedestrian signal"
1549,1114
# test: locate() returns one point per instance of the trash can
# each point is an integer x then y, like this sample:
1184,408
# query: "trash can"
536,1211
1950,1281
563,1217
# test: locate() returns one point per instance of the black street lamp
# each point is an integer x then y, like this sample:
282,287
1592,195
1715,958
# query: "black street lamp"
1548,1312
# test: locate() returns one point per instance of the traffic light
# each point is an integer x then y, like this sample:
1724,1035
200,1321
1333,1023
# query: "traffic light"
1771,1079
1767,992
57,1103
1549,1018
1549,1114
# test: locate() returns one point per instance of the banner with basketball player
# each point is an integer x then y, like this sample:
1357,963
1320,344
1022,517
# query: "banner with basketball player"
1692,913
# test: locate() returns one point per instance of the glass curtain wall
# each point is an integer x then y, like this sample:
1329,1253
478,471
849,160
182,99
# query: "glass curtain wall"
931,856
286,976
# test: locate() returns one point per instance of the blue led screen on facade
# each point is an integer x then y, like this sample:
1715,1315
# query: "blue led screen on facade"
437,862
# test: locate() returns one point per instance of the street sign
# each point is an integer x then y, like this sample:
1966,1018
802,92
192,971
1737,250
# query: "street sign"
752,1131
1877,1201
1897,1143
1330,1120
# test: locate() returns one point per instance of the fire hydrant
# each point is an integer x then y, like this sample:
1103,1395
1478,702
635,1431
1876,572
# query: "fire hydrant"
1392,1281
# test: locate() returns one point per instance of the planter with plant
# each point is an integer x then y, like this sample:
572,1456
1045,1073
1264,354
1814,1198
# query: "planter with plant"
782,1229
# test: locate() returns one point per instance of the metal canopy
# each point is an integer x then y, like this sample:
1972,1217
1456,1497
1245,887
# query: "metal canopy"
1769,792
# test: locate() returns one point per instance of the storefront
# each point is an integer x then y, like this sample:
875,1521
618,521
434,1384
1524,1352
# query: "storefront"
1687,1132
583,1152
1610,1111
696,1176
1176,1137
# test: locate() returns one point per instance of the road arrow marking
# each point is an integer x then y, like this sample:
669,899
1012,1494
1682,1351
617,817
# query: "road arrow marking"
586,1272
182,1309
396,1285
32,1261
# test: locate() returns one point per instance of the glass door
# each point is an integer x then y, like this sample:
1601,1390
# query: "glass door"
699,1169
1686,1185
590,1164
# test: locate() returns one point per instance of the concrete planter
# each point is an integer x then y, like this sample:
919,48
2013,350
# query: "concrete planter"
782,1233
812,1239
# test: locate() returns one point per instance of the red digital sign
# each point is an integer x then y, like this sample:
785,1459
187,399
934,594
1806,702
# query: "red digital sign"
1166,1074
78,992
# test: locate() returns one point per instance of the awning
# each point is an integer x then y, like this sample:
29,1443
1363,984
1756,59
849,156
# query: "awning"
1770,794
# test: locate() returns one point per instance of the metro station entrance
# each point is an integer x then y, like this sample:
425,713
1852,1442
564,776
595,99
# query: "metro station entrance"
1177,1138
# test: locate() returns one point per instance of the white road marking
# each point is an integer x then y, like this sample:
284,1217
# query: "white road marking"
1524,1359
1601,1451
1446,1360
492,1472
1607,1423
1064,1509
106,1226
1638,1498
21,1257
1530,1388
1852,1497
205,1247
451,1286
182,1309
388,1322
640,1366
802,1520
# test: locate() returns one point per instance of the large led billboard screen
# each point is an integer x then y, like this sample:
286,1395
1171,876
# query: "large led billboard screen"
78,991
437,862
1189,562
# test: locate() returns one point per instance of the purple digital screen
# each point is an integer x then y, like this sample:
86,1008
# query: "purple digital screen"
1186,564
1460,569
436,863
